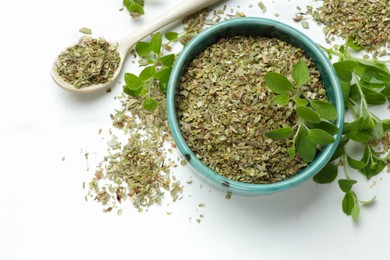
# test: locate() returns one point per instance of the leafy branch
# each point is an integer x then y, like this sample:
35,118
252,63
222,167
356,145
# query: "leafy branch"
313,127
364,83
155,74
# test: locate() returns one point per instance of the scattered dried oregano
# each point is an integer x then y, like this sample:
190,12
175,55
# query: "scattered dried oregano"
225,108
91,61
365,22
139,170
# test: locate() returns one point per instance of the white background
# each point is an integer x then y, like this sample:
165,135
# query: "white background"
43,214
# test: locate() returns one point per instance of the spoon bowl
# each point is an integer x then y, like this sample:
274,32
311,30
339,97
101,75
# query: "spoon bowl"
123,46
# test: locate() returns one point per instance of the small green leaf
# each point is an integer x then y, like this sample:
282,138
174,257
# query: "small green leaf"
132,92
300,73
372,97
319,136
355,164
133,82
291,151
346,184
360,136
281,100
346,88
344,69
353,126
281,133
378,131
163,73
327,174
156,43
324,109
306,149
373,74
147,73
326,126
351,43
150,104
355,212
167,60
171,36
278,83
134,6
349,202
301,102
308,114
143,49
163,86
373,168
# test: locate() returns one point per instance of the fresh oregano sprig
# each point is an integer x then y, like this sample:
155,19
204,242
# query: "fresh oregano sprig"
364,83
135,7
314,125
155,74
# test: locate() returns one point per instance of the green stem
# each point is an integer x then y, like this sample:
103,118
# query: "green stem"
350,57
362,96
344,161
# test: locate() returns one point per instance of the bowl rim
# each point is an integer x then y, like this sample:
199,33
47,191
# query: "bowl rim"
249,188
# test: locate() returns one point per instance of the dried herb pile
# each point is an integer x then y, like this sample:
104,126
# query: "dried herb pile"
140,169
91,61
365,22
225,108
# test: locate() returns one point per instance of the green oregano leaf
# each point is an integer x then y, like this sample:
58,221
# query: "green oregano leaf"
278,83
349,202
147,73
143,49
344,69
319,136
355,164
301,102
156,43
167,60
324,109
353,126
281,133
134,6
171,36
360,136
326,126
132,81
308,114
132,92
291,151
351,43
281,100
327,174
346,184
306,149
355,213
301,73
163,74
372,97
150,104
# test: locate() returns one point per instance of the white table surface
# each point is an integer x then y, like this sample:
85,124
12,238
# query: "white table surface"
43,213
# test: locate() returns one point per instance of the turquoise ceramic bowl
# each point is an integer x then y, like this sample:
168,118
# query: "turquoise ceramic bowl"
255,27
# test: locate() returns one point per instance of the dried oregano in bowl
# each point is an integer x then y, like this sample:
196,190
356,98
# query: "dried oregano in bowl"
248,106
